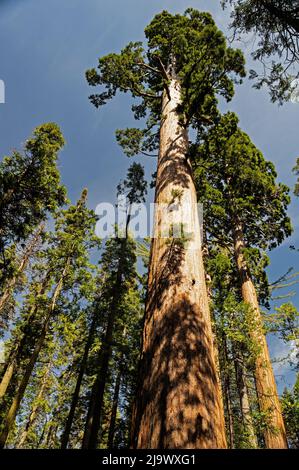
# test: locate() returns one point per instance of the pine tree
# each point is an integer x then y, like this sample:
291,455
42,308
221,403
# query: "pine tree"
186,63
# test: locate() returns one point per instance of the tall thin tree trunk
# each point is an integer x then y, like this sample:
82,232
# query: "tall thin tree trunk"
228,395
244,399
205,253
95,408
33,413
113,415
274,435
75,398
13,410
94,414
178,403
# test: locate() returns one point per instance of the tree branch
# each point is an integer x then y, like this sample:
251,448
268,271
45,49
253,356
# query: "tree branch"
147,66
164,74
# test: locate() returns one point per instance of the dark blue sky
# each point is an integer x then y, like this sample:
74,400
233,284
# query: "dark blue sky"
45,48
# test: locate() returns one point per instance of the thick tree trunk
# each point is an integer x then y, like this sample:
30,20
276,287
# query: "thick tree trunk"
274,435
244,400
75,398
178,403
33,413
113,415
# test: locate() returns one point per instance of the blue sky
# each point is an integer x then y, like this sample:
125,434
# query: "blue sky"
45,48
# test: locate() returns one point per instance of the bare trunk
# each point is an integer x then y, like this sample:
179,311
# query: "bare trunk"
274,435
178,403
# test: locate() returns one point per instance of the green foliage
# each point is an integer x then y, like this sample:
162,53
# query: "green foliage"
189,47
290,407
30,184
236,182
284,322
30,189
276,25
134,187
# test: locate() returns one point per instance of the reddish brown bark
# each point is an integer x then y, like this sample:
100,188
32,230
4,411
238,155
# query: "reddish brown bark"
274,435
178,403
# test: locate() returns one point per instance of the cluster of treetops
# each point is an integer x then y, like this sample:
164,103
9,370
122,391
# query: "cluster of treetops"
99,355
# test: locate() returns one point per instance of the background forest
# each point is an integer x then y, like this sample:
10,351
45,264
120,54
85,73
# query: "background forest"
118,342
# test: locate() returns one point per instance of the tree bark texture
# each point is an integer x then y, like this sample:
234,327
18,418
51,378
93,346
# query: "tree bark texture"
178,403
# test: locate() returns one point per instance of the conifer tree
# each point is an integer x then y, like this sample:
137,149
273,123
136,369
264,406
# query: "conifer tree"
176,77
64,267
247,210
15,282
119,272
232,324
30,188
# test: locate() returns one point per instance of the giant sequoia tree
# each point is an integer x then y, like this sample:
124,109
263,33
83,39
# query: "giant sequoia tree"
246,209
176,77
